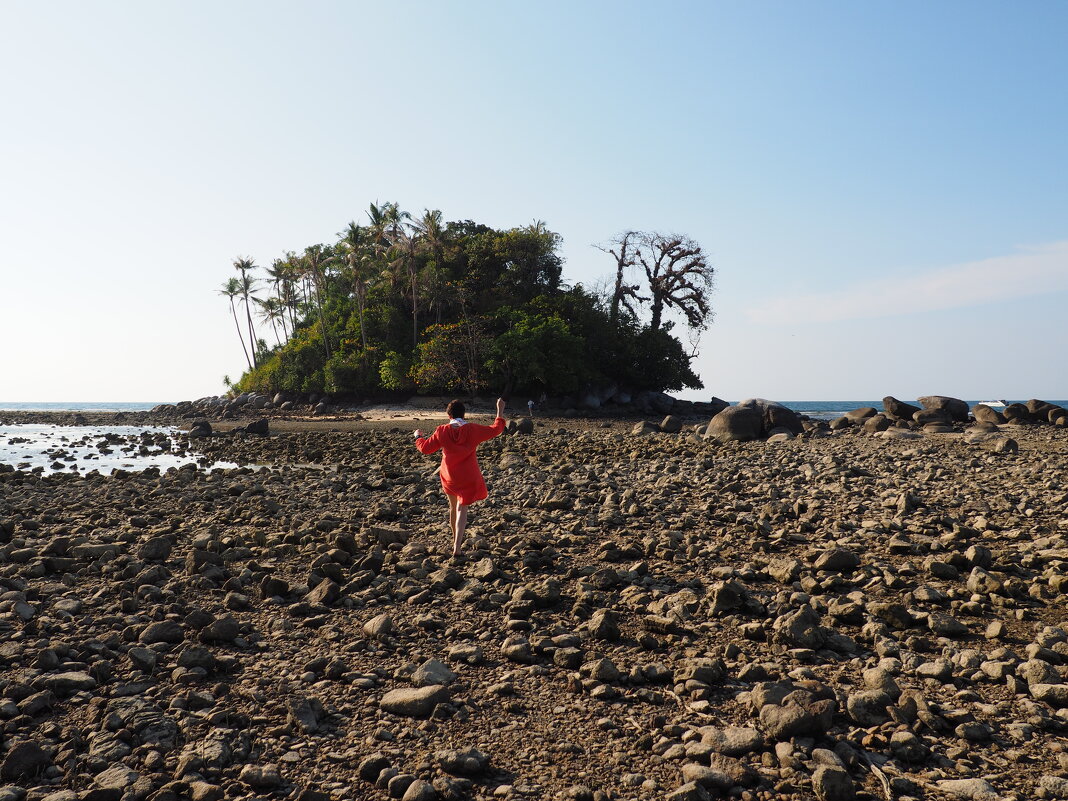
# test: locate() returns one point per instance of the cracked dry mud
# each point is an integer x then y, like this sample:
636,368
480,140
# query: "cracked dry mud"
636,617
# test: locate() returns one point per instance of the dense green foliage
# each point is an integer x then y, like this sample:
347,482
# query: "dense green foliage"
403,304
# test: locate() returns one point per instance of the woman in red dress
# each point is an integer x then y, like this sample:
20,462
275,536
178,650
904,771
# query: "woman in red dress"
460,476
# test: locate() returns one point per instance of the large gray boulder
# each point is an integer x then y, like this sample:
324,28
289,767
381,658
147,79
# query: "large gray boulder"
735,424
1039,409
987,414
1045,412
773,415
936,416
417,702
1017,413
25,759
876,423
954,408
863,413
899,409
201,428
671,424
261,426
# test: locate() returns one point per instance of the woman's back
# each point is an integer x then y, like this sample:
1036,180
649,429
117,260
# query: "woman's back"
460,477
459,445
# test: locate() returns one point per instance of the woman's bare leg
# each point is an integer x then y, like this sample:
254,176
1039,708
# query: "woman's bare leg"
454,502
461,524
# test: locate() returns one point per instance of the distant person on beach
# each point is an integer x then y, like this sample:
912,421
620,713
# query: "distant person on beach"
460,475
530,408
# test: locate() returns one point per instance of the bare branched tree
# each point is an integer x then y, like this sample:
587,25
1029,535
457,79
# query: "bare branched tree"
678,276
624,249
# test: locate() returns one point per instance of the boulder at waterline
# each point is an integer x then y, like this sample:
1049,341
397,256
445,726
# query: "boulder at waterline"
899,409
735,424
773,415
986,414
954,408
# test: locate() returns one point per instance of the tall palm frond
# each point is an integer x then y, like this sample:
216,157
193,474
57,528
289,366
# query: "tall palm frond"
232,289
246,266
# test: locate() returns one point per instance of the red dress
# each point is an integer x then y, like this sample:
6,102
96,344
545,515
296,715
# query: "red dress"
459,466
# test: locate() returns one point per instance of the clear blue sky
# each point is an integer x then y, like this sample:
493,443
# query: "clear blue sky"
882,186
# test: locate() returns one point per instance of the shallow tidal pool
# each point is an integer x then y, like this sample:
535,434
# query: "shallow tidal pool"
78,450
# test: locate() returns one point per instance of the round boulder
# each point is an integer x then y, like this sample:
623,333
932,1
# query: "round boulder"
986,414
929,416
1040,409
416,702
954,408
735,424
1017,413
863,413
879,422
671,424
899,409
773,415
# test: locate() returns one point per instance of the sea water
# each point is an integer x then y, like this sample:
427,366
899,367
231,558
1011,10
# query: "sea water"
78,450
828,410
81,449
76,406
819,410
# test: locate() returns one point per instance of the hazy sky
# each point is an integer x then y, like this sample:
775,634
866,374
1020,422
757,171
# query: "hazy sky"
882,186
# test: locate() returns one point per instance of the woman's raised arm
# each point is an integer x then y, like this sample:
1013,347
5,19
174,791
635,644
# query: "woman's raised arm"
427,445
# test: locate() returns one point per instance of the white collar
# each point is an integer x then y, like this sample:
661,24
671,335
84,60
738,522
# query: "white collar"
457,421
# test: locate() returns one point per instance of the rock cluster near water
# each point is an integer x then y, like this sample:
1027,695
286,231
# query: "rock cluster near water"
641,615
608,402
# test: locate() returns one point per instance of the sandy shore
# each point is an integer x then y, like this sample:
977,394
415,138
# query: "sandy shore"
637,617
366,418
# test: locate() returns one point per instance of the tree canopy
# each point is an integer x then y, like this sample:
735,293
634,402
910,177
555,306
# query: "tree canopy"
403,303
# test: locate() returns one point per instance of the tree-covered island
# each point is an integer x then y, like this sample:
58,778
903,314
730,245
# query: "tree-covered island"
402,304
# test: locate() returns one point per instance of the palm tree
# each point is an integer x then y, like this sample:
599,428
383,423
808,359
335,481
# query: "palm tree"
407,249
434,279
247,282
231,289
353,242
279,275
404,247
291,269
268,312
297,273
395,220
377,228
432,232
316,261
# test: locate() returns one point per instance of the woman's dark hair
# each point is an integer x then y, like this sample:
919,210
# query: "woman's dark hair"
456,409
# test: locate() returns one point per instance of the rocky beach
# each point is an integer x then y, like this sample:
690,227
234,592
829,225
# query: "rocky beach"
663,604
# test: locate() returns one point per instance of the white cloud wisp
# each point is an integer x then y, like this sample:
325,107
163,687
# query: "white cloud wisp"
1034,270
